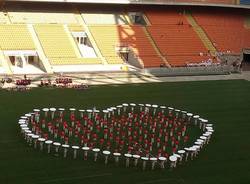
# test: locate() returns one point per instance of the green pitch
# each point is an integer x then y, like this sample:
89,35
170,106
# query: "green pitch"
225,160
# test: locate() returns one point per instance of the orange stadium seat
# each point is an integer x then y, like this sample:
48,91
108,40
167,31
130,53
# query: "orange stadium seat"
226,30
179,43
108,36
137,40
166,17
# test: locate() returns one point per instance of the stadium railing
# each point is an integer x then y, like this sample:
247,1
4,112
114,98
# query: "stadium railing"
188,71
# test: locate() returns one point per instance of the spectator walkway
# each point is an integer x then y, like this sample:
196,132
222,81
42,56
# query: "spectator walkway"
126,78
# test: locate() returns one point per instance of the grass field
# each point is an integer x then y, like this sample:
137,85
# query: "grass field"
226,160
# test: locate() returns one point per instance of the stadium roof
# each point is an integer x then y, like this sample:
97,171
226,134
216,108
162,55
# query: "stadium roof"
144,2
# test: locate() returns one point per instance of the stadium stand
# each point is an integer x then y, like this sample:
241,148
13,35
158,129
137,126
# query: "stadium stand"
75,61
168,17
75,27
104,18
42,17
54,41
109,36
135,37
40,14
57,46
15,37
106,38
176,38
222,25
202,34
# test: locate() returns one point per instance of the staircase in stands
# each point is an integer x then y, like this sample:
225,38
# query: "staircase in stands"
5,63
39,49
157,50
201,33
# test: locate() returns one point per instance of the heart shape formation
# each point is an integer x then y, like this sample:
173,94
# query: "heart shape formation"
137,133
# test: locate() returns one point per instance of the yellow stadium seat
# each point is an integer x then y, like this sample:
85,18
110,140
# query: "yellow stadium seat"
57,46
15,37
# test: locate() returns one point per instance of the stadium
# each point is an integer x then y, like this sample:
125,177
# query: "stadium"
124,91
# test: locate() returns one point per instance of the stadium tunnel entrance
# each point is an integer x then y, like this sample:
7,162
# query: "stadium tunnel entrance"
84,44
24,61
246,60
22,58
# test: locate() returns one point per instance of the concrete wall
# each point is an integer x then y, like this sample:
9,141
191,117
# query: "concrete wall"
134,61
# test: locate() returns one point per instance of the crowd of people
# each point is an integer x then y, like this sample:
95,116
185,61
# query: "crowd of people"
64,81
205,63
15,85
45,82
22,84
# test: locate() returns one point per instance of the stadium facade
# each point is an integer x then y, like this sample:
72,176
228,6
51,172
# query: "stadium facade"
39,37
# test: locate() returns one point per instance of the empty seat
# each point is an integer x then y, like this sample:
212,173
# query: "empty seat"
37,17
15,37
58,47
104,18
179,43
167,17
74,61
55,41
225,29
109,36
75,28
